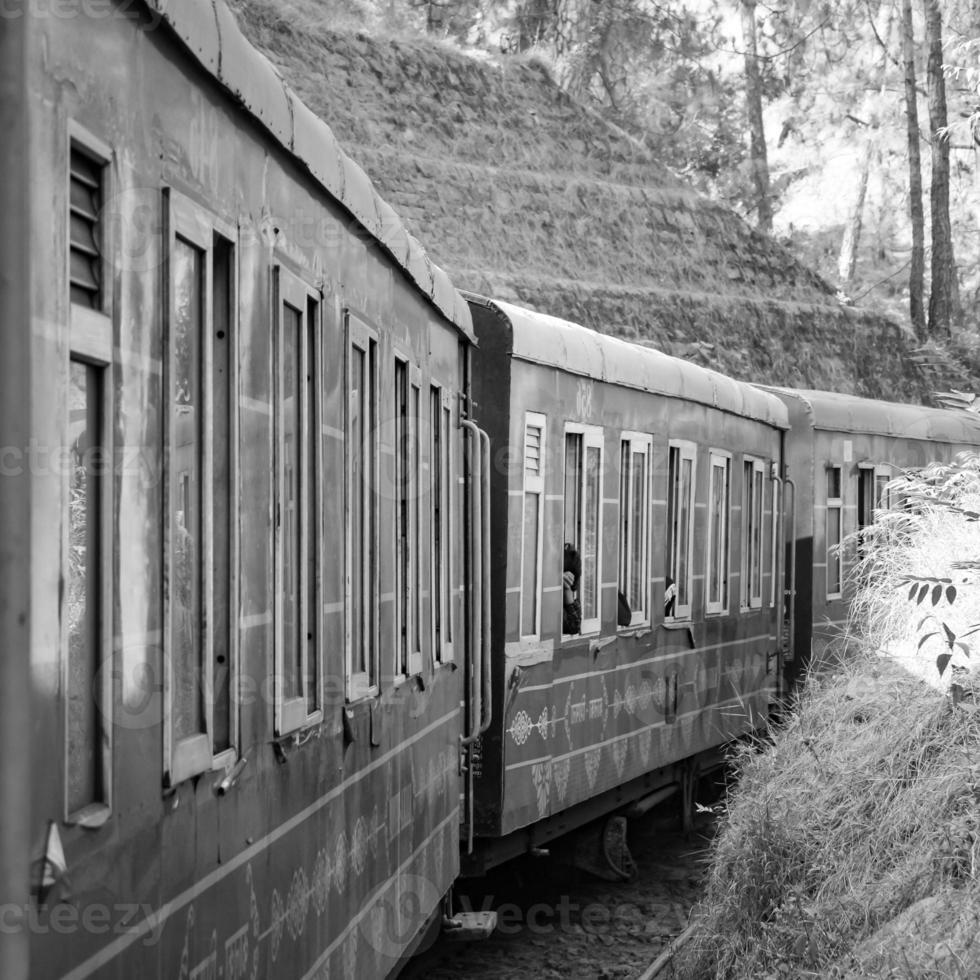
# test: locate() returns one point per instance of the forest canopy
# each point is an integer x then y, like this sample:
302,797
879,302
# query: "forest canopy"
843,127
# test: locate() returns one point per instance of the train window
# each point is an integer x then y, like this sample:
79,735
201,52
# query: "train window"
750,580
532,523
883,496
833,531
634,516
775,520
186,363
86,199
223,439
583,514
682,463
408,503
88,640
719,505
198,419
448,512
417,582
872,494
201,722
362,510
440,524
403,498
200,725
297,678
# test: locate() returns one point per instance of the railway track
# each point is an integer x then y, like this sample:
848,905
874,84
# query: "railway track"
557,922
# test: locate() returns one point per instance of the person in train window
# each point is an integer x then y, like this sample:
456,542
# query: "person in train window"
670,597
571,617
624,616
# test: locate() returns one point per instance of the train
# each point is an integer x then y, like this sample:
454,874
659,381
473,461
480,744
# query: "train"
323,584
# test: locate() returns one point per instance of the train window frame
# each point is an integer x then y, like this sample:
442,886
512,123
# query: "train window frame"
752,506
685,450
362,685
593,437
417,409
874,477
83,141
408,589
296,711
533,484
199,229
635,443
718,459
443,650
833,505
90,345
775,522
96,811
402,516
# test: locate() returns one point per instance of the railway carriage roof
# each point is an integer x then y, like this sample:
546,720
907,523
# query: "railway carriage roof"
831,411
543,339
211,34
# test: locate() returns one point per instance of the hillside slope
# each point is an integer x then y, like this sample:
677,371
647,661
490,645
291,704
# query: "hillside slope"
523,194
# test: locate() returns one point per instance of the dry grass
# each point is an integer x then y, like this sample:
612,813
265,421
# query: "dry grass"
851,846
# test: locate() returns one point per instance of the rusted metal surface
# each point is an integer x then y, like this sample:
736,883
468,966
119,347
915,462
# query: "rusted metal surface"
849,413
314,142
18,386
197,22
250,77
246,73
576,717
550,341
418,265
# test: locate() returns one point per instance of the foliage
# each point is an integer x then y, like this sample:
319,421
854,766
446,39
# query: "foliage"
672,72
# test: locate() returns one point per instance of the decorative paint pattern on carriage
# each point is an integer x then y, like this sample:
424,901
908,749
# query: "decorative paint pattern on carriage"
541,777
591,758
559,771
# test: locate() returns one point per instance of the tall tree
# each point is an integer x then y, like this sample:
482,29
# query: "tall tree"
944,294
758,159
917,265
847,261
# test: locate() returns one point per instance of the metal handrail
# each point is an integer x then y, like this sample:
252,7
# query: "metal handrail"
791,653
476,567
485,637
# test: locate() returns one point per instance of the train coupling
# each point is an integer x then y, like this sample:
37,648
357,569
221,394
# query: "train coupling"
466,927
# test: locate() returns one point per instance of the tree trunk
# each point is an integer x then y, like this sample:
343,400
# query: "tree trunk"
612,62
851,240
753,105
852,230
943,295
918,262
573,27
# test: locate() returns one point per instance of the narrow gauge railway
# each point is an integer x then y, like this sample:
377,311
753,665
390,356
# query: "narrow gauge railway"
321,584
558,923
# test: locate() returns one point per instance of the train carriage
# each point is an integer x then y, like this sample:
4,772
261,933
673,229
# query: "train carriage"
242,463
657,473
842,452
